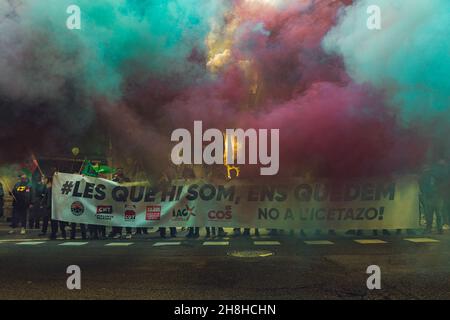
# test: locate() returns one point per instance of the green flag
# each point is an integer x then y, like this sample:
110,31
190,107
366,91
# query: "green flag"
89,169
101,169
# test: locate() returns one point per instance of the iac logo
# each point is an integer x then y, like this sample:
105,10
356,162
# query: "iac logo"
183,214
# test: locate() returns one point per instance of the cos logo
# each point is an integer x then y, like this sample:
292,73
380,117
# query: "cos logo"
77,208
220,214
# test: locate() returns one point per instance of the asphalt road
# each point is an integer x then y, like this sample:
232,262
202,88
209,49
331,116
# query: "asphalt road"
231,268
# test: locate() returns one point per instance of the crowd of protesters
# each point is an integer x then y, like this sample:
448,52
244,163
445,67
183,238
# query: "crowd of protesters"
32,205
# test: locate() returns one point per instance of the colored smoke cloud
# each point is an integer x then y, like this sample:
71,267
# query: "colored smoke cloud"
409,58
348,101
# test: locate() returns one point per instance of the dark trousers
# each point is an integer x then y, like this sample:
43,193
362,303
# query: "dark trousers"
73,230
141,231
34,218
54,227
173,232
433,207
193,231
96,230
20,216
213,229
118,230
45,222
1,206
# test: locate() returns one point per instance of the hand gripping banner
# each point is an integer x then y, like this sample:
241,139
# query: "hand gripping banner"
294,204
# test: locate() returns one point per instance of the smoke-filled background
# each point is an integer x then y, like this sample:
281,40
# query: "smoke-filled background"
348,101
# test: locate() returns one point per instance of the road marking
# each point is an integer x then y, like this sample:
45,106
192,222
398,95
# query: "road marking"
22,240
216,243
422,240
161,244
260,237
74,244
119,244
319,242
29,243
370,241
266,243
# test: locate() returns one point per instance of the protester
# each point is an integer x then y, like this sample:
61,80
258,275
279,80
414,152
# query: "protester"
36,210
431,185
220,232
73,231
193,232
116,232
141,230
46,205
2,194
246,232
97,232
173,232
21,203
445,193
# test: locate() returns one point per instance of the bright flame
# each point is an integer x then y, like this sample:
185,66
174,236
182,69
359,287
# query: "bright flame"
234,147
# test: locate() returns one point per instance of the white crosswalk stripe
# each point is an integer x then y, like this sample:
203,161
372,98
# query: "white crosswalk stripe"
370,241
318,242
162,244
421,240
73,244
266,243
119,244
216,243
30,243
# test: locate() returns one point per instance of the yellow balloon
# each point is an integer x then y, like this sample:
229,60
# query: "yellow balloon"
75,151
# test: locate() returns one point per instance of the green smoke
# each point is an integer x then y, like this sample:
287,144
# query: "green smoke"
409,57
119,38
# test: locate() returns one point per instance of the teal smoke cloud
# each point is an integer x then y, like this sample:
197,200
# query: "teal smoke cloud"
409,58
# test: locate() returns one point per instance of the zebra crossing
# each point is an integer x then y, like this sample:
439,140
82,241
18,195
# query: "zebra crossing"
208,243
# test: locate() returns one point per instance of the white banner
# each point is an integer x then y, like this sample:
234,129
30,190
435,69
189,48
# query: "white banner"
296,204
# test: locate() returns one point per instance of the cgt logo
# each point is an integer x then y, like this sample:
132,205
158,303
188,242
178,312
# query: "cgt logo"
104,213
130,212
104,209
183,214
221,215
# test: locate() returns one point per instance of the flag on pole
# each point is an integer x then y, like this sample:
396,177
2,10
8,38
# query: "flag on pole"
88,169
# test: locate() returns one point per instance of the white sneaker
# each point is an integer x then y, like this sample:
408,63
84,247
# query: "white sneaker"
446,227
23,231
128,236
117,236
11,231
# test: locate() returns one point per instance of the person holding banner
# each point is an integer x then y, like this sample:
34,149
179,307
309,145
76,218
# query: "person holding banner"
116,232
46,204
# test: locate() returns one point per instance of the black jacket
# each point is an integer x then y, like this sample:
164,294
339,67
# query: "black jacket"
22,194
46,201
